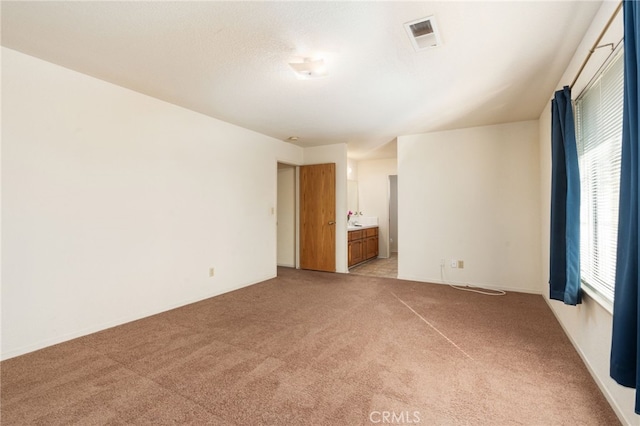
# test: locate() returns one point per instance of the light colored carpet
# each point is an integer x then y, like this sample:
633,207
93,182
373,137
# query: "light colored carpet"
312,348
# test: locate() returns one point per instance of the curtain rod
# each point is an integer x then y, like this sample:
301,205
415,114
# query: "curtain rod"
595,45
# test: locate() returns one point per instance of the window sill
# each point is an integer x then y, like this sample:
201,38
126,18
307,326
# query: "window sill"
607,305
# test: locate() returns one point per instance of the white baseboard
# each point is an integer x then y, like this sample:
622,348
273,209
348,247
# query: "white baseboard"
123,320
605,391
480,285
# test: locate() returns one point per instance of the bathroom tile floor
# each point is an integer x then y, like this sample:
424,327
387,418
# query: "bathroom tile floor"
379,267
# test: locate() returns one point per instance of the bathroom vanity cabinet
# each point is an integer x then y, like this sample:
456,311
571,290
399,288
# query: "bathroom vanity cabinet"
363,244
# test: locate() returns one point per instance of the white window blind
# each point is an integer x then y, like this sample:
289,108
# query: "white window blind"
599,135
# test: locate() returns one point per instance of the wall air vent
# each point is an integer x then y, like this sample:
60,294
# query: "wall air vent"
423,33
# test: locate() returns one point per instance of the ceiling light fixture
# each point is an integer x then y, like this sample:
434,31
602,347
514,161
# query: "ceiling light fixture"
292,139
309,68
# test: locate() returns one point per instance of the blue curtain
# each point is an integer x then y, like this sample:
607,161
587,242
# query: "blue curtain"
564,277
625,361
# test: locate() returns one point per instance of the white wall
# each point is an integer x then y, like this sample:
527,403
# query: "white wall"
471,194
353,165
115,205
337,154
286,216
373,195
352,185
589,324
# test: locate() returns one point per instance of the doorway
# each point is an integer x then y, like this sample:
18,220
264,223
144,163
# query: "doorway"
286,216
386,266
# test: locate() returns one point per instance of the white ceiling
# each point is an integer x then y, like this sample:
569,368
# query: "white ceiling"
499,62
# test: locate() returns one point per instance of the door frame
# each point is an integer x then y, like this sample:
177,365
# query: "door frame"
331,156
296,241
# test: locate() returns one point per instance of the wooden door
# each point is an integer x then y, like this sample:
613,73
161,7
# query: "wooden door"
318,217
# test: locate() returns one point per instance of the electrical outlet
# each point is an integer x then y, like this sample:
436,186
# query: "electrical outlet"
461,264
212,272
454,263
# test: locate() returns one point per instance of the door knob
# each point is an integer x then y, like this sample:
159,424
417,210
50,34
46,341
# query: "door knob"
331,222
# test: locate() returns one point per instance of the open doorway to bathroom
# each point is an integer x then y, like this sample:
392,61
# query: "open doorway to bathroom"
386,265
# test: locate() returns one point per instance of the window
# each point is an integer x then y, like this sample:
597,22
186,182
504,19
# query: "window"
599,136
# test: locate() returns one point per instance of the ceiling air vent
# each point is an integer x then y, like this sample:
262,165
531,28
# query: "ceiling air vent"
423,33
